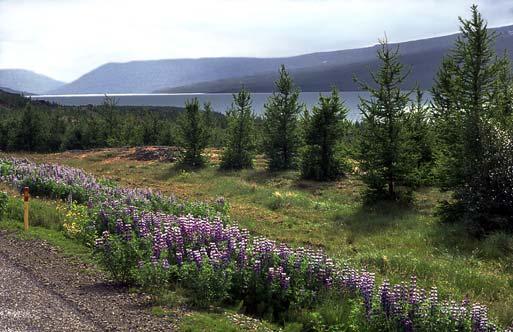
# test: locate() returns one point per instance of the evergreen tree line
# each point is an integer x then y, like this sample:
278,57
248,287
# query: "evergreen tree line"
43,127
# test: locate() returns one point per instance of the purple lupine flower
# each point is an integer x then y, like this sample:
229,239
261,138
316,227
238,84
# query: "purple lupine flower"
179,258
257,266
413,292
220,201
154,261
408,325
278,275
433,299
366,286
384,294
479,316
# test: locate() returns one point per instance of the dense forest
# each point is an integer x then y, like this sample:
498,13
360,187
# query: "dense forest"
27,125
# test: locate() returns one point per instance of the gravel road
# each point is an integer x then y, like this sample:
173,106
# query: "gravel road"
41,290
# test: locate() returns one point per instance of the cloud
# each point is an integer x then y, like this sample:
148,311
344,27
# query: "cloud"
66,38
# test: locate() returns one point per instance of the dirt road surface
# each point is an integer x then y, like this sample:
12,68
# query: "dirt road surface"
42,290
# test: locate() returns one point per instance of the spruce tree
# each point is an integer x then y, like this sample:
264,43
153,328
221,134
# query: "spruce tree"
111,123
419,131
74,138
447,116
149,127
469,105
503,92
240,148
194,134
209,121
282,137
32,130
384,159
324,129
56,134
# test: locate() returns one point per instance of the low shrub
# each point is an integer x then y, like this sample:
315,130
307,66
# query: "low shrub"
155,276
207,284
77,223
121,257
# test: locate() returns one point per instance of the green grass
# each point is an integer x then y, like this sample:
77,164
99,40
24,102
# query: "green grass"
391,240
42,213
221,322
45,224
207,322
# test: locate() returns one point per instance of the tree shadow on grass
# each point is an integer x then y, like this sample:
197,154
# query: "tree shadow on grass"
176,170
311,186
455,238
265,177
376,218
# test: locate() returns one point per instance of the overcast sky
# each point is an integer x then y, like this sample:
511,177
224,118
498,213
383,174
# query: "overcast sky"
67,38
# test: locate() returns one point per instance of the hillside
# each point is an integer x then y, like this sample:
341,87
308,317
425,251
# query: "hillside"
148,76
424,57
313,72
27,81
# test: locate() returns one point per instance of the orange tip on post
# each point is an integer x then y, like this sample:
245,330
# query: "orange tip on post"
26,194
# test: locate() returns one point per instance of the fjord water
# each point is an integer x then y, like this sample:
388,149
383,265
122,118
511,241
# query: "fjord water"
221,102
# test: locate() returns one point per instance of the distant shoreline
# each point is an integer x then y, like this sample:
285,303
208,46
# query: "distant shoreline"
221,102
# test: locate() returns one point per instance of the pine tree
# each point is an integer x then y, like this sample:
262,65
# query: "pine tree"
447,116
418,127
469,102
31,131
503,92
384,159
240,149
281,124
194,134
209,121
95,132
460,98
324,129
476,68
111,120
151,127
168,136
57,131
74,138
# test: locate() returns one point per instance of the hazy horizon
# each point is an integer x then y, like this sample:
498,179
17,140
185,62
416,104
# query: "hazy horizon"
66,39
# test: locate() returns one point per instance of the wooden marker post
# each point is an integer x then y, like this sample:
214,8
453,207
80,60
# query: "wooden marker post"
26,197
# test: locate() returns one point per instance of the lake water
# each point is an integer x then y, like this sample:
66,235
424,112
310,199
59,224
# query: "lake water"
220,101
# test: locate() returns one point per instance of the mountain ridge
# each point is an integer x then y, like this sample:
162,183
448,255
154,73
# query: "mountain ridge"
27,81
312,71
322,79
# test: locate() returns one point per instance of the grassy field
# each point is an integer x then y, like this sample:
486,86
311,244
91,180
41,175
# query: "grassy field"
393,241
